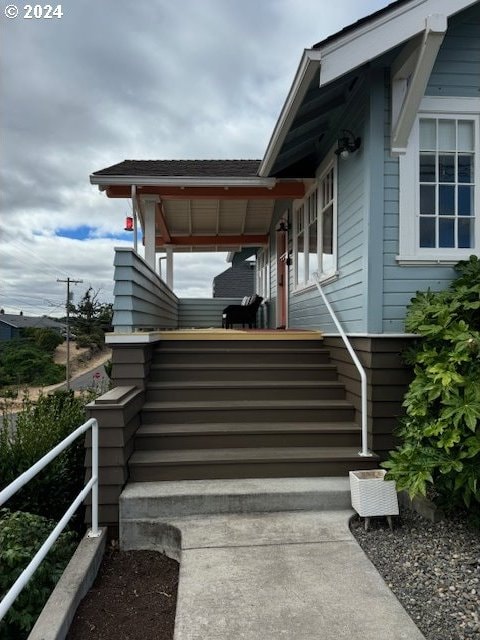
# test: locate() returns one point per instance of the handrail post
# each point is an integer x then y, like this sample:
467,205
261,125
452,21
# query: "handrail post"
94,531
363,376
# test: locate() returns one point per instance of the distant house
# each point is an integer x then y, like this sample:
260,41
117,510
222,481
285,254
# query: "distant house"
11,324
238,280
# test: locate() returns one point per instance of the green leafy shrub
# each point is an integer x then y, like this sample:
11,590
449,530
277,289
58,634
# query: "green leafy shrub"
45,339
441,430
21,535
24,362
39,427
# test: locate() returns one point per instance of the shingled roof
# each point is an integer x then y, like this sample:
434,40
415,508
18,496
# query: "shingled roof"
183,168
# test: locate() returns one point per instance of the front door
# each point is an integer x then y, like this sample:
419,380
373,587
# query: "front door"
282,276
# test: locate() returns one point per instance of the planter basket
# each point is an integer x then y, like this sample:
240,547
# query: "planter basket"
372,495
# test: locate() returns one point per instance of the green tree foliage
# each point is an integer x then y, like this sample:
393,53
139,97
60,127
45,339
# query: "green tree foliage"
91,319
441,430
21,535
28,359
39,427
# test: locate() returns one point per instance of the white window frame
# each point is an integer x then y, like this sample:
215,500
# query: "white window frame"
262,273
410,252
301,208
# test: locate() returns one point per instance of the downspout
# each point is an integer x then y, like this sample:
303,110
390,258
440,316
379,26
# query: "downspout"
135,218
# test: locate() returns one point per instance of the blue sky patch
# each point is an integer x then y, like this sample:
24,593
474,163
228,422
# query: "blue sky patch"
85,232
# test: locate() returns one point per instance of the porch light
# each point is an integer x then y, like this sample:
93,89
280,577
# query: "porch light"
347,144
128,223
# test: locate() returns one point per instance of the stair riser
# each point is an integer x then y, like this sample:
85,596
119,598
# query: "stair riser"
335,392
254,414
233,357
227,441
246,470
283,374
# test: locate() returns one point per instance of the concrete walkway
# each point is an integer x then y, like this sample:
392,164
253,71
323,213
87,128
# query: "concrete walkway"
293,575
251,568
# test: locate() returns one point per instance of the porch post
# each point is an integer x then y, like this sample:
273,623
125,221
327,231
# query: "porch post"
149,230
170,267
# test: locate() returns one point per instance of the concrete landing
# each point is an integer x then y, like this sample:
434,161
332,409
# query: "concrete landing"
298,575
282,575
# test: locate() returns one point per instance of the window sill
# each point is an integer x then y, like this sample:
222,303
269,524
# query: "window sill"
425,261
309,286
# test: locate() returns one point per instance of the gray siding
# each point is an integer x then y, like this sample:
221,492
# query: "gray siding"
202,313
347,293
7,332
457,68
142,299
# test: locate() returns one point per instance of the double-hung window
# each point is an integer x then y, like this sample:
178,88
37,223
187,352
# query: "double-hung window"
315,226
439,184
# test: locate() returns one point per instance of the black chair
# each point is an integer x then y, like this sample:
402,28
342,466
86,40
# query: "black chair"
245,313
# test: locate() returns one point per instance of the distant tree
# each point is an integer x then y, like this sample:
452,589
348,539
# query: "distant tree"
91,318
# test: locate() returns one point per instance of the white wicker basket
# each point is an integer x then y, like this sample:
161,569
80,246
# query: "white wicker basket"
372,495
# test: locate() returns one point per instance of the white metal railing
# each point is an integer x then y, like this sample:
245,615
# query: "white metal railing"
363,376
25,477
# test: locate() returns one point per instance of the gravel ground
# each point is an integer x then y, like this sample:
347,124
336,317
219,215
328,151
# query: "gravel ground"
433,569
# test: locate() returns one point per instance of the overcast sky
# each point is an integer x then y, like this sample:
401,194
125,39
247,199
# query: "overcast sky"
136,79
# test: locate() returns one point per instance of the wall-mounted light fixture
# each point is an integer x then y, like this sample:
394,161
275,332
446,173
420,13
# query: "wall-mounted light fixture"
283,226
347,144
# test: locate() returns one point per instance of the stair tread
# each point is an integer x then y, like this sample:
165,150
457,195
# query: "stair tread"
245,455
241,365
147,430
234,384
245,404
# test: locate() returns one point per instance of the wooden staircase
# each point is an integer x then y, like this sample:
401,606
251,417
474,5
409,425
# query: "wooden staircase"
247,408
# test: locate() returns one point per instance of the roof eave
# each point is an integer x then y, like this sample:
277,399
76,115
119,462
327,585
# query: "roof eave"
179,181
309,64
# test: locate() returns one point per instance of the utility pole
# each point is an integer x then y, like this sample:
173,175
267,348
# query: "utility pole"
68,282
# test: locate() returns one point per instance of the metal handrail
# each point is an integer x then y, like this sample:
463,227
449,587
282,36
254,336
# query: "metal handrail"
363,376
25,477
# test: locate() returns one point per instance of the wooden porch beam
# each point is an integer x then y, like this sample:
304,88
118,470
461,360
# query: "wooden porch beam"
162,223
253,240
280,190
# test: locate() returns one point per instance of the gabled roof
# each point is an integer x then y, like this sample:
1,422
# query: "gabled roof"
183,168
337,63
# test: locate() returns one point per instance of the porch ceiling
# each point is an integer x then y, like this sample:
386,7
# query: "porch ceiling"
200,205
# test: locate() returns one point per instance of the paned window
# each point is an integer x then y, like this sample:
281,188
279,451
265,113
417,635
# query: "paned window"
315,231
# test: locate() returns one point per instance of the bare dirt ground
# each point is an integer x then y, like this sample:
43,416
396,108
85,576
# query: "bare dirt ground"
134,597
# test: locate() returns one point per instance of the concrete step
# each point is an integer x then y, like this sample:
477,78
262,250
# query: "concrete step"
248,411
252,434
264,462
244,390
217,372
169,500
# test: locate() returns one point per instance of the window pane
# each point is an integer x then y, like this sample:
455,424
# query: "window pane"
446,135
446,168
446,200
427,167
465,234
312,249
465,201
428,135
446,233
465,135
427,199
327,241
427,232
465,168
300,260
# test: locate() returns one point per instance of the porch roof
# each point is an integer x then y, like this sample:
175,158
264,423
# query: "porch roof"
201,205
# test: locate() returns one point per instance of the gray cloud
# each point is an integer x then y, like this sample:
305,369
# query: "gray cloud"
120,79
